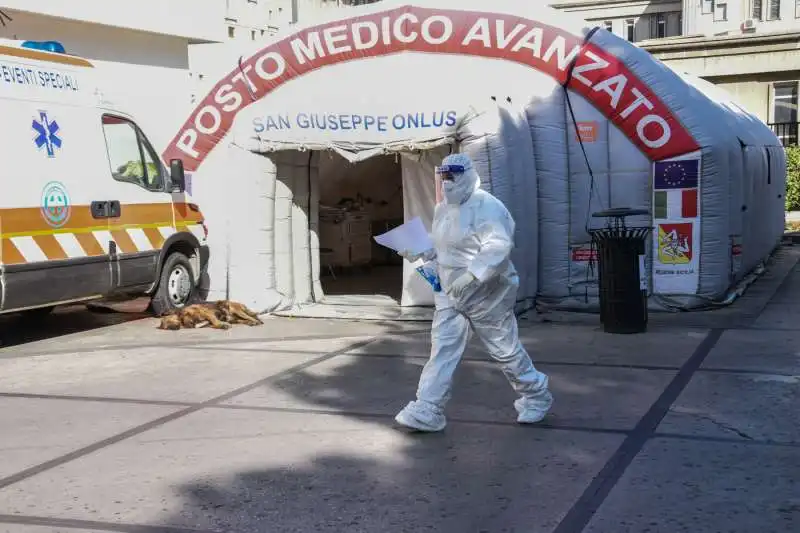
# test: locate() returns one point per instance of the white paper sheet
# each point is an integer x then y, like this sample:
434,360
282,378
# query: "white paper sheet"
410,236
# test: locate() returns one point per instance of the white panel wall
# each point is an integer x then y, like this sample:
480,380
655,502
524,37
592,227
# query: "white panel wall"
504,160
546,113
172,17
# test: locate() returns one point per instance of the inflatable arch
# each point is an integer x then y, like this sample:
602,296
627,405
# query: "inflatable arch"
563,119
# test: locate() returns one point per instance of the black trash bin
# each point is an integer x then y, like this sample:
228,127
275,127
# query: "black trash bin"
623,299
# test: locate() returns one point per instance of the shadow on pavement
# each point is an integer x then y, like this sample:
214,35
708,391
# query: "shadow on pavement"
22,328
352,470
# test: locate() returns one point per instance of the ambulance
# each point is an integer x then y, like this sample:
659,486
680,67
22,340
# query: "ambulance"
87,208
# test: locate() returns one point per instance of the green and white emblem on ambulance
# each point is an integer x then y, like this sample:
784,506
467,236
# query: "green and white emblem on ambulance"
55,204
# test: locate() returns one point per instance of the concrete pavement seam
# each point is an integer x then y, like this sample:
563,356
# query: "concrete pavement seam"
68,523
100,399
296,410
450,420
587,505
725,440
466,359
746,372
5,353
245,407
137,430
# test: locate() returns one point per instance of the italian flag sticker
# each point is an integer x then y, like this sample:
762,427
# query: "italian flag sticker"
675,203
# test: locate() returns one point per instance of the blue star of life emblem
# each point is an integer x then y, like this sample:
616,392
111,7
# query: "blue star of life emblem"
47,134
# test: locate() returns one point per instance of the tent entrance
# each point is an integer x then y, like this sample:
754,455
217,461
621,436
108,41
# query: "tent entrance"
353,277
356,202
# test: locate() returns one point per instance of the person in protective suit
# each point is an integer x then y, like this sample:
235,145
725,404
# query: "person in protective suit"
473,238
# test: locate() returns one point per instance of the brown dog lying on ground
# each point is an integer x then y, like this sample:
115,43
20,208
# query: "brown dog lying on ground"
219,315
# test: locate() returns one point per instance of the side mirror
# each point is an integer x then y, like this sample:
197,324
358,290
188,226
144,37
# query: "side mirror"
177,175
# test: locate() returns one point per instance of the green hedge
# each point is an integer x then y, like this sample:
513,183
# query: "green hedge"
793,178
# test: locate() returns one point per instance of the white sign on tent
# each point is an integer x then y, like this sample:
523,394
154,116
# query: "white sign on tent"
676,225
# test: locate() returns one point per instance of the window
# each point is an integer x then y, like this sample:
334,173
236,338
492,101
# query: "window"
774,10
784,112
130,156
785,102
658,26
608,25
796,8
758,9
721,12
707,7
629,30
252,35
231,32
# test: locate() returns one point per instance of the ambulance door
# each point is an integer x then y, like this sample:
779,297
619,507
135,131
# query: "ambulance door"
51,252
140,218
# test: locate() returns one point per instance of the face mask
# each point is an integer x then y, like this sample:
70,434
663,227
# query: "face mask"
458,190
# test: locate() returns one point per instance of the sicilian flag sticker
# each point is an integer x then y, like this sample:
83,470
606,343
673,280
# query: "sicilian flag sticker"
675,189
676,231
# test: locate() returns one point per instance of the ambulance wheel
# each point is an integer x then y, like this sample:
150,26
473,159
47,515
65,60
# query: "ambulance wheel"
176,288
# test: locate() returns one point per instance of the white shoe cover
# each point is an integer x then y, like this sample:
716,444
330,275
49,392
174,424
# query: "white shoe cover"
532,410
421,417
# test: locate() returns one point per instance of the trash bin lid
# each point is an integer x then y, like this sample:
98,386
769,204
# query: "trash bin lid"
619,212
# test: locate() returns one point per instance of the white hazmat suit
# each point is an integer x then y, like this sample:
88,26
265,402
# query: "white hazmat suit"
473,238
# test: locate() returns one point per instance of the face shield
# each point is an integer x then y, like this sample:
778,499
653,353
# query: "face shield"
449,172
456,185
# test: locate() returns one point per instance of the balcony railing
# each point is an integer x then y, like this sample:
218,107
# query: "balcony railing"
787,132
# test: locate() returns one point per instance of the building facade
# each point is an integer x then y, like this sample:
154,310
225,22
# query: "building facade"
748,47
635,21
256,20
725,17
140,48
247,24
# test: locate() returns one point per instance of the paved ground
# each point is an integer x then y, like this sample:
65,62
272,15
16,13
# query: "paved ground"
288,428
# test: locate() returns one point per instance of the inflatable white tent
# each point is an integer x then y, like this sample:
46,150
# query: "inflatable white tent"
562,119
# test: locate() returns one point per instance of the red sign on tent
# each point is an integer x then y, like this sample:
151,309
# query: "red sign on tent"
587,69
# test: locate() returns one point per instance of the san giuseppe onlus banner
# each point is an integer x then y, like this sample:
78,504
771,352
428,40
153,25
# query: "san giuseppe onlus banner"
596,74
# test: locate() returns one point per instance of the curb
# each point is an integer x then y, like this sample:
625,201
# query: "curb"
791,238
